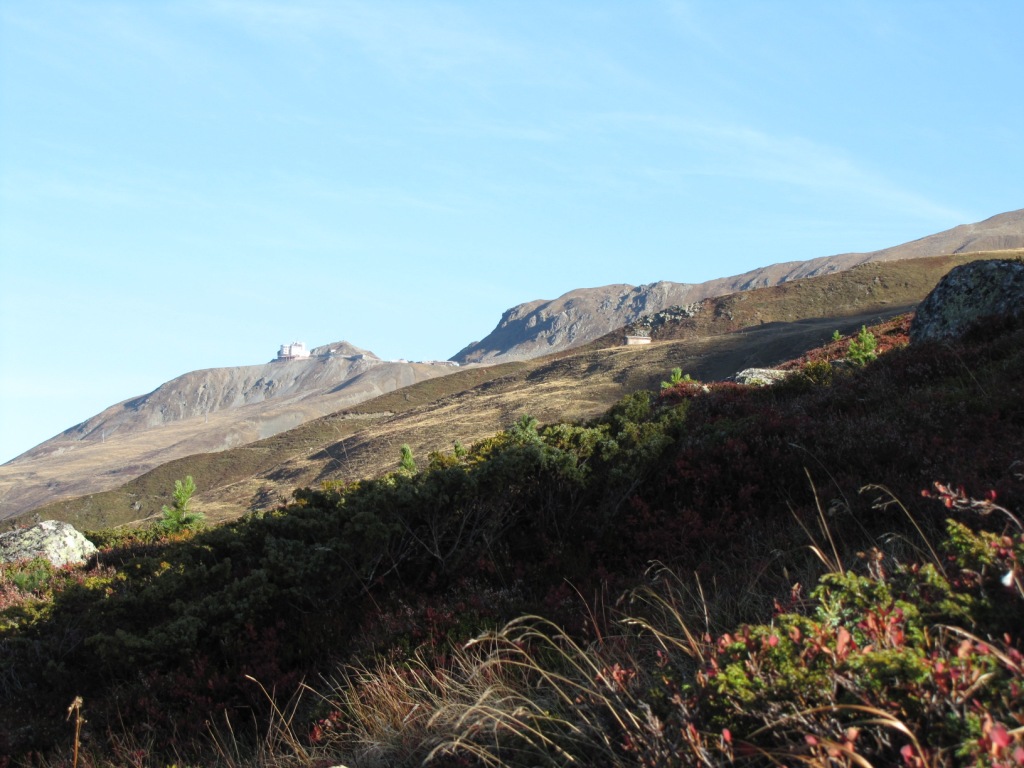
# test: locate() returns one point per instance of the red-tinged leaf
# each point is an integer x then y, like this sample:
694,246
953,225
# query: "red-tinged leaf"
813,741
1000,737
909,758
843,642
773,641
794,634
727,735
1018,755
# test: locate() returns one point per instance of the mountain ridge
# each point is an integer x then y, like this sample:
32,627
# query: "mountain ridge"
217,389
204,411
541,326
209,411
749,329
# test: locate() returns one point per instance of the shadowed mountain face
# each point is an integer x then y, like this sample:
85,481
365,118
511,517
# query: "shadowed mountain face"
540,327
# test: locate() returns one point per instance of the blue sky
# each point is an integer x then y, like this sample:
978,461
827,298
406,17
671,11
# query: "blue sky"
189,184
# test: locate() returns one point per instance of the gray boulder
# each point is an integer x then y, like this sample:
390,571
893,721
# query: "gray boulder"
58,542
969,293
761,377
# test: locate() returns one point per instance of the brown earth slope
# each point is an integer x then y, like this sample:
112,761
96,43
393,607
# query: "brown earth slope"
759,328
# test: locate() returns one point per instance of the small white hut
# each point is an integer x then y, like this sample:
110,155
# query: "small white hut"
631,340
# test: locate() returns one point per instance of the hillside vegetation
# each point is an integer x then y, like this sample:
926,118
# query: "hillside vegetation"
721,576
722,336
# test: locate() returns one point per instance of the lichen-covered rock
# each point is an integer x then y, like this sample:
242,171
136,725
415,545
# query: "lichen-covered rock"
967,294
761,377
58,542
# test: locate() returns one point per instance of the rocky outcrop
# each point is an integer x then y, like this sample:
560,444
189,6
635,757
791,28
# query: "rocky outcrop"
761,377
647,325
967,294
58,542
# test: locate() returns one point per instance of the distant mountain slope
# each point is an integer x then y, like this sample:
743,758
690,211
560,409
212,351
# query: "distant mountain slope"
725,334
213,390
200,412
214,410
540,327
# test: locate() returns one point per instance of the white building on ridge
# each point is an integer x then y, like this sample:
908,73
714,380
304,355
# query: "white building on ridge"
294,351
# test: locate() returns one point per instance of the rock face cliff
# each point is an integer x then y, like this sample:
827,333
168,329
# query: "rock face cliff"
539,327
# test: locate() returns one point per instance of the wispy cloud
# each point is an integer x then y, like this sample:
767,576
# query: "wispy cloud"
67,35
518,131
687,22
410,38
83,185
735,151
362,196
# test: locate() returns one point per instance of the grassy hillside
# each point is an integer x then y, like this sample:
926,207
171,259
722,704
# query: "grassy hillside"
227,407
469,405
718,575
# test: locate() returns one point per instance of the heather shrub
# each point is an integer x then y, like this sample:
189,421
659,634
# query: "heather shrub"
559,520
29,576
819,372
891,663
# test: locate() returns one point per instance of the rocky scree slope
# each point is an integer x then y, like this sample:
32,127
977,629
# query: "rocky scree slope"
579,316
